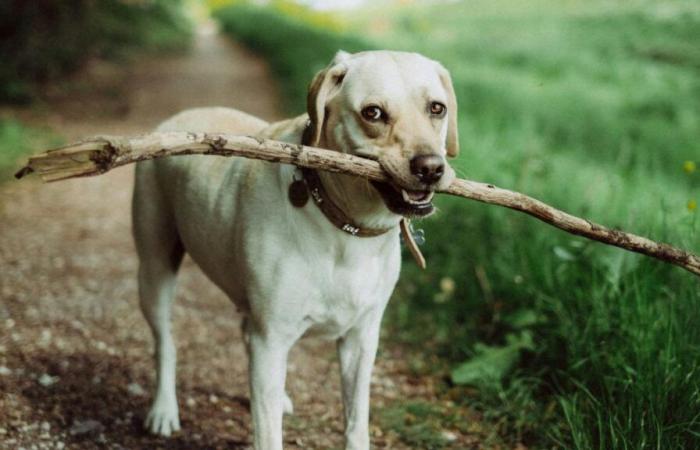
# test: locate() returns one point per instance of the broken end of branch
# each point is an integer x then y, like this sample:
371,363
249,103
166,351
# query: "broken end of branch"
26,170
85,158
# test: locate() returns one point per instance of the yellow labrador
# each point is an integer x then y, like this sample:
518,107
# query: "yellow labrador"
298,251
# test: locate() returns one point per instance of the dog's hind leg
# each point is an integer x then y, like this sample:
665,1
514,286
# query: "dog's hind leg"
160,254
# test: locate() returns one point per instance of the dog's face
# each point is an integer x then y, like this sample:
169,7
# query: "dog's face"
395,107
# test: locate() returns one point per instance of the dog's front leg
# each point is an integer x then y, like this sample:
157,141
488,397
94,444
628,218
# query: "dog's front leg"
357,350
268,370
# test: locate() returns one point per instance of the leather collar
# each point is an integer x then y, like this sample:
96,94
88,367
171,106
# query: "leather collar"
332,211
328,207
337,216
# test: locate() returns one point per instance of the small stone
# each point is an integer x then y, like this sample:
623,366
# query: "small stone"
47,380
5,371
190,402
45,426
136,390
85,426
60,445
449,436
3,431
213,399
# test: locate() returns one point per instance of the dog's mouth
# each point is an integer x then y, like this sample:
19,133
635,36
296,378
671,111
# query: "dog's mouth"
405,202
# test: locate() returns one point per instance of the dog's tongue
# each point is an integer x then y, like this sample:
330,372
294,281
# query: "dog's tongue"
416,196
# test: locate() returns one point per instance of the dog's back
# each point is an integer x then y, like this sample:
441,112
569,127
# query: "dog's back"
167,189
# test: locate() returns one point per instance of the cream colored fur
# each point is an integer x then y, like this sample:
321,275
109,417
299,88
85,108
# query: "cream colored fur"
289,270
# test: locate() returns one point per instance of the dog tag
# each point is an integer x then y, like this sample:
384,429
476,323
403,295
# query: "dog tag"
418,234
407,233
298,193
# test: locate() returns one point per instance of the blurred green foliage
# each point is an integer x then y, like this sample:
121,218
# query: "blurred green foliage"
16,140
294,45
590,106
41,40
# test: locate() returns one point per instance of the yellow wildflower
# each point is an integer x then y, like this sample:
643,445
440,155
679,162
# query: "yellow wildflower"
692,205
447,285
689,166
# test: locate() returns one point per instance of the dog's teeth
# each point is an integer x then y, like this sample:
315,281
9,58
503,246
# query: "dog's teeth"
408,199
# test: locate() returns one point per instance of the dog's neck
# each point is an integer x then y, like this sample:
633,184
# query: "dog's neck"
358,200
353,195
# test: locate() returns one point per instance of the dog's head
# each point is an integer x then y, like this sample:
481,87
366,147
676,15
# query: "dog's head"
395,107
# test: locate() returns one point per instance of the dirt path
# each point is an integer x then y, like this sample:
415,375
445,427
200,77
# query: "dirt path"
75,366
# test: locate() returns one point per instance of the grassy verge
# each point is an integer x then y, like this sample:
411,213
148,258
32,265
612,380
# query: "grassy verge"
593,107
577,345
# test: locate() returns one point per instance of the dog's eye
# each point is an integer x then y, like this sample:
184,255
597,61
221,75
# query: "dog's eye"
373,113
437,108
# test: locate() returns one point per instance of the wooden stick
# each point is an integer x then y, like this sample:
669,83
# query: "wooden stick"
98,155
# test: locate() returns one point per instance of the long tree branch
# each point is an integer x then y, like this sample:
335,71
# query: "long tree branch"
100,154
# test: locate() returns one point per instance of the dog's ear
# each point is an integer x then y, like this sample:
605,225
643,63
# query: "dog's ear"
341,56
324,84
452,132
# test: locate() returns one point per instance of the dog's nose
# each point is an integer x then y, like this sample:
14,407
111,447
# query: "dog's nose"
428,168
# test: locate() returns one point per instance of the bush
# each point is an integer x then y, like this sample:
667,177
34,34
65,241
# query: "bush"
44,39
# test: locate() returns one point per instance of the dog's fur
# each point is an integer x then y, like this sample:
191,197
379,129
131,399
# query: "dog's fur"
288,269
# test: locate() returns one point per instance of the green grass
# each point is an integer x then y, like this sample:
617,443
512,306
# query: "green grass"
16,142
419,424
594,108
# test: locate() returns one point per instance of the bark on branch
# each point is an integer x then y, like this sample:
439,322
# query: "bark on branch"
98,155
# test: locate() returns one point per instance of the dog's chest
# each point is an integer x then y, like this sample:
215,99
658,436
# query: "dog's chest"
348,291
340,286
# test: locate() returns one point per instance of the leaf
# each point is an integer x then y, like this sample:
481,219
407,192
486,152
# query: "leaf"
523,318
618,265
563,254
492,364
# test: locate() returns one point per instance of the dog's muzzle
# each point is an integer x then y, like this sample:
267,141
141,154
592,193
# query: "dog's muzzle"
427,171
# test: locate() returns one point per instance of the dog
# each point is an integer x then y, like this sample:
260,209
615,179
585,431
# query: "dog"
298,251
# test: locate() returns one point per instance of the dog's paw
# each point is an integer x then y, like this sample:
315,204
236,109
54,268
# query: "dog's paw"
287,405
163,419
